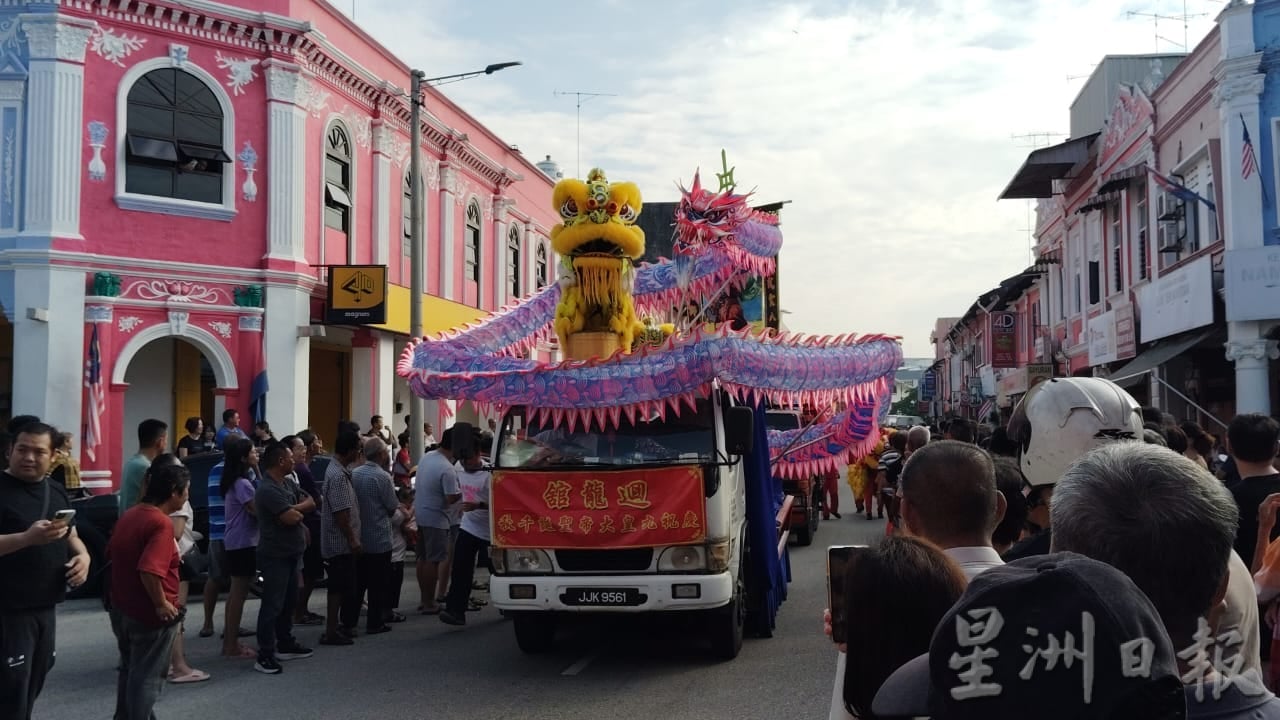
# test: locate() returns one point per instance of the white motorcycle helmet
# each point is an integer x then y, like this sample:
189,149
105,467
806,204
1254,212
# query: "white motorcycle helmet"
1060,420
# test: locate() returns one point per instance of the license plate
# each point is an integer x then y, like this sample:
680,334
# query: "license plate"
603,597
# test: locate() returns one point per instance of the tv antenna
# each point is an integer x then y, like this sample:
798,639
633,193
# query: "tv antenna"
581,97
1156,17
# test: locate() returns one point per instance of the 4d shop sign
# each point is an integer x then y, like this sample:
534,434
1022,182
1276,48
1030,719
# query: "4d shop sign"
1004,340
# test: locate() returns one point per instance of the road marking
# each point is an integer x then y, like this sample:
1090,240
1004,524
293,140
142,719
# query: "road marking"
579,666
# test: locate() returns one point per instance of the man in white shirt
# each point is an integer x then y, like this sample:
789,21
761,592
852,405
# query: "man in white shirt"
949,497
473,538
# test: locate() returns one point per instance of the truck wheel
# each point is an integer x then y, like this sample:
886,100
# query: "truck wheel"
729,623
535,631
96,544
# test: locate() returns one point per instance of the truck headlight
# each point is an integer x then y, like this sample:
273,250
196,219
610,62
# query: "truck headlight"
527,562
684,558
718,557
498,557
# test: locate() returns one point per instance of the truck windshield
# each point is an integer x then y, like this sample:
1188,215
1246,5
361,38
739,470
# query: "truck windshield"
687,438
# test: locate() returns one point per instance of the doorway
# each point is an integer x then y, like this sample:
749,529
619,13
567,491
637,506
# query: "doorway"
329,396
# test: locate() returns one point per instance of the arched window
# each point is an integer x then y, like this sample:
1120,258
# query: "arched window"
337,179
173,139
406,217
471,246
513,261
540,266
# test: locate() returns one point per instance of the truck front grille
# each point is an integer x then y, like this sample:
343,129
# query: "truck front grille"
629,560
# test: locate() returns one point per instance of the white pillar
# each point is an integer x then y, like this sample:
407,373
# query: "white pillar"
500,205
448,242
363,383
1239,86
384,363
383,187
55,101
287,89
288,356
49,354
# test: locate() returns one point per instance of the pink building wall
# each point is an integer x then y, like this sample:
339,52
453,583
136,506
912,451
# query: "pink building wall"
219,256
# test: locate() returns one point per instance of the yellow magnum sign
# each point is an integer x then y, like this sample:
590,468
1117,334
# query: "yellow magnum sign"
357,295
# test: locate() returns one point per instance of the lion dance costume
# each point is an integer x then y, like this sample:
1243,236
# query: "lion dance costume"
598,243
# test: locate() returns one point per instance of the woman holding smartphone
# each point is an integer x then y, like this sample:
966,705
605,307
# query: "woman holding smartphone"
893,595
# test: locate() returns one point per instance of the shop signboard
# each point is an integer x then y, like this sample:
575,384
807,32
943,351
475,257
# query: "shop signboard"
1004,339
928,385
1126,333
1252,283
1178,301
1102,338
357,295
1038,373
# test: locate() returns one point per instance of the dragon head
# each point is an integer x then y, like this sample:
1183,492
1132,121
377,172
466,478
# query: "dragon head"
706,218
597,218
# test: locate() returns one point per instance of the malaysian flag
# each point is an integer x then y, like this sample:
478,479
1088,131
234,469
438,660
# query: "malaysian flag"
1248,161
97,399
1177,189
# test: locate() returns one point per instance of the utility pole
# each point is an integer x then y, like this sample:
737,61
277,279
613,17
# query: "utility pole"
417,81
417,407
580,95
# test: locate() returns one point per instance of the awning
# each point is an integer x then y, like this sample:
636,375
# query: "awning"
1161,353
1097,202
1121,178
1035,178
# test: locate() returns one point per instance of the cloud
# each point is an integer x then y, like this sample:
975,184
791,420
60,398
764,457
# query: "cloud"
889,124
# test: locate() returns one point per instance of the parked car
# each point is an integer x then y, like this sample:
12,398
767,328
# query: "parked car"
903,422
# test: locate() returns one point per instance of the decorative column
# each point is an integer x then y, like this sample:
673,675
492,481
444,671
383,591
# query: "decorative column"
384,148
288,88
500,280
12,115
1237,96
448,240
55,104
530,256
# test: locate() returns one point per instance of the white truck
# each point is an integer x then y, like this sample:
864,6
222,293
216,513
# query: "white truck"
647,516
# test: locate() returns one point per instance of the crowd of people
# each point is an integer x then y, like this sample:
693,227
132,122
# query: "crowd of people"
1091,558
272,526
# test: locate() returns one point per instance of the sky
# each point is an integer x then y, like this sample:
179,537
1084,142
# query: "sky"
891,126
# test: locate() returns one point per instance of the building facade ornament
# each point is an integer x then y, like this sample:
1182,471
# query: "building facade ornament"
129,323
97,313
178,320
51,37
286,83
174,291
1259,350
1248,88
250,323
240,71
221,327
114,48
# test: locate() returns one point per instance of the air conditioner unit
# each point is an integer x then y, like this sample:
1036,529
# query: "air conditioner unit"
1167,240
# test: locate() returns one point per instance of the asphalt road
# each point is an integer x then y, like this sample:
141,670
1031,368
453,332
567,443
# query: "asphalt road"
623,669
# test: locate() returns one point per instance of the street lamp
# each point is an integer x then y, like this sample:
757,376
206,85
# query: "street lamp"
417,80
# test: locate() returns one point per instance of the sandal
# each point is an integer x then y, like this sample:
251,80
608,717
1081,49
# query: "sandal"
430,611
243,653
194,676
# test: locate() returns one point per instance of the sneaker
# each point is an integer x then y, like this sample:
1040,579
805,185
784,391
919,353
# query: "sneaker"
268,665
293,652
449,618
838,516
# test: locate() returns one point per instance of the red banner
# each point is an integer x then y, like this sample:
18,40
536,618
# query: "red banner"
591,509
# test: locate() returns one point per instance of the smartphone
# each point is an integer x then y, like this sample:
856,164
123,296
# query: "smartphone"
64,516
837,565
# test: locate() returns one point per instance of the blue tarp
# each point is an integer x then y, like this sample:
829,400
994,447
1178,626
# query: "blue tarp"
764,500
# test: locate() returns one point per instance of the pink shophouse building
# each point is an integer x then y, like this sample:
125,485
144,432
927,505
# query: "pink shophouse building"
175,176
